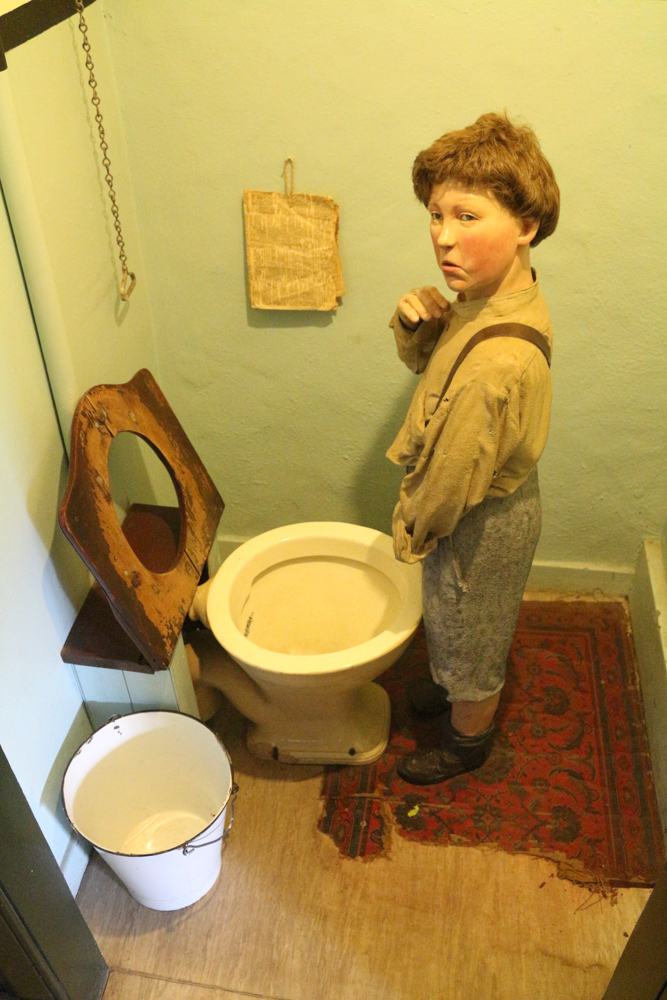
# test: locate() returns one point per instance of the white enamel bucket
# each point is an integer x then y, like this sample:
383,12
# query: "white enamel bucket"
151,791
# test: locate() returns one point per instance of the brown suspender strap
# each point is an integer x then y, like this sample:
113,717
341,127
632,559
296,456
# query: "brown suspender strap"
517,330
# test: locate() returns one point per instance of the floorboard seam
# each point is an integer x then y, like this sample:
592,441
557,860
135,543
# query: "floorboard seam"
197,985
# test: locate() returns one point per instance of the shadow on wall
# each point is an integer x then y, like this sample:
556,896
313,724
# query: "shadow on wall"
375,487
278,319
89,112
65,578
51,797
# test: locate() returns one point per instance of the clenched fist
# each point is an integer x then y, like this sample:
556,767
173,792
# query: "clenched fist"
421,304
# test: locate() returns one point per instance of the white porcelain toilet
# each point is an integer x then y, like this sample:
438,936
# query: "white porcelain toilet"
309,614
303,617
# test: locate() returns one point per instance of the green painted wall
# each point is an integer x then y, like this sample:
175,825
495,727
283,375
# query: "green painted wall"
42,718
50,175
292,412
104,339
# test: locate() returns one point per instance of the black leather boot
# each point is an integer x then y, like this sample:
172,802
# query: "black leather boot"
426,697
458,755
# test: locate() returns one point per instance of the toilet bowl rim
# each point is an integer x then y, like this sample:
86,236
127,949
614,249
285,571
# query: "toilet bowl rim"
273,663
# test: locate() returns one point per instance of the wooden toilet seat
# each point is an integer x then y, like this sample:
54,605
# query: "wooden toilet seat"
150,605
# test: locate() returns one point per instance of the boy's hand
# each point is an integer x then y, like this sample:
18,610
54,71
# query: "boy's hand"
421,304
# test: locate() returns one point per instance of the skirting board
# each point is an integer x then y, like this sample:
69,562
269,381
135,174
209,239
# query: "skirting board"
581,578
648,613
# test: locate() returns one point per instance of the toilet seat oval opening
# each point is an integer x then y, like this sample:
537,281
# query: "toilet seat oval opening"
313,598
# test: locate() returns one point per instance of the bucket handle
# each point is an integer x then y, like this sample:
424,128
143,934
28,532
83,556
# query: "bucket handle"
189,848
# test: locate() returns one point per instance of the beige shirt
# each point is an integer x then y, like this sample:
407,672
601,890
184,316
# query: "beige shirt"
487,434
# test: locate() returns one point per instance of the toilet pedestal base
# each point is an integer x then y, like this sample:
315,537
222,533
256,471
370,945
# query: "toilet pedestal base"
353,730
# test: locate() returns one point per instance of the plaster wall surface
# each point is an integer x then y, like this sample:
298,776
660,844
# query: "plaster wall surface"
292,412
57,199
104,339
42,717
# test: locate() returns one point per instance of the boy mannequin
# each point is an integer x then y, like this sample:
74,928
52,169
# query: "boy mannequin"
469,505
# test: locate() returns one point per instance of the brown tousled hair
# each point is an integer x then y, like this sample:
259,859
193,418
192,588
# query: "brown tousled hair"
504,159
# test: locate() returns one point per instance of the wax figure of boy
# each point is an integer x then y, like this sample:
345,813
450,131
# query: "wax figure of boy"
469,506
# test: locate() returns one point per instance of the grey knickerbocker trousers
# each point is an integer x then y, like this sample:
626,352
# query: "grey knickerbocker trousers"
473,583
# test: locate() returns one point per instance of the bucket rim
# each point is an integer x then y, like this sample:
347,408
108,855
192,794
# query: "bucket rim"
233,787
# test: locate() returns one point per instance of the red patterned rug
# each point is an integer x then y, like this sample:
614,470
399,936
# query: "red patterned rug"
569,779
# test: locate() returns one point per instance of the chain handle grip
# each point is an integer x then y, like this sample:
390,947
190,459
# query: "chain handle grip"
126,291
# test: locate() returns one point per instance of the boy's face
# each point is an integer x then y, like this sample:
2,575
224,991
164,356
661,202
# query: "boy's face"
481,248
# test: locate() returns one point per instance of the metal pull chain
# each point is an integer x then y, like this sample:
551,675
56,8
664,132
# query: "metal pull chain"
128,280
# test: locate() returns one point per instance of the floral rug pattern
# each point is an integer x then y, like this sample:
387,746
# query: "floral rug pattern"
569,778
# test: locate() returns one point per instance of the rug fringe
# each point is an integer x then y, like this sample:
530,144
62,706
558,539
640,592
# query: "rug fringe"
571,870
567,869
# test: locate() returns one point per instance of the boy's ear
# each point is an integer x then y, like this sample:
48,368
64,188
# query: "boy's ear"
529,227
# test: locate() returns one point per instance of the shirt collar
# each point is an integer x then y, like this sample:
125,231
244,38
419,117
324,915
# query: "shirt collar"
497,305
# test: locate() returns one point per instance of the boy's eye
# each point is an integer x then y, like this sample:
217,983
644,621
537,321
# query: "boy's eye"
467,217
435,216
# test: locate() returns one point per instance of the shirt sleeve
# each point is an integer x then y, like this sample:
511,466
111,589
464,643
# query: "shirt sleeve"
456,468
416,346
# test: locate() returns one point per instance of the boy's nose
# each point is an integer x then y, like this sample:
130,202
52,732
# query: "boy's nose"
446,237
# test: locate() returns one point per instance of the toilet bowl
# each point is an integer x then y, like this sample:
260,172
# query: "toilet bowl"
305,617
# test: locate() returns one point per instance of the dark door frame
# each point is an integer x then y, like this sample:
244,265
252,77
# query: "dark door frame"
47,951
641,973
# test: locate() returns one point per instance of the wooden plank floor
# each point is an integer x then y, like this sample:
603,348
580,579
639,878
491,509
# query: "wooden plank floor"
291,920
133,986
